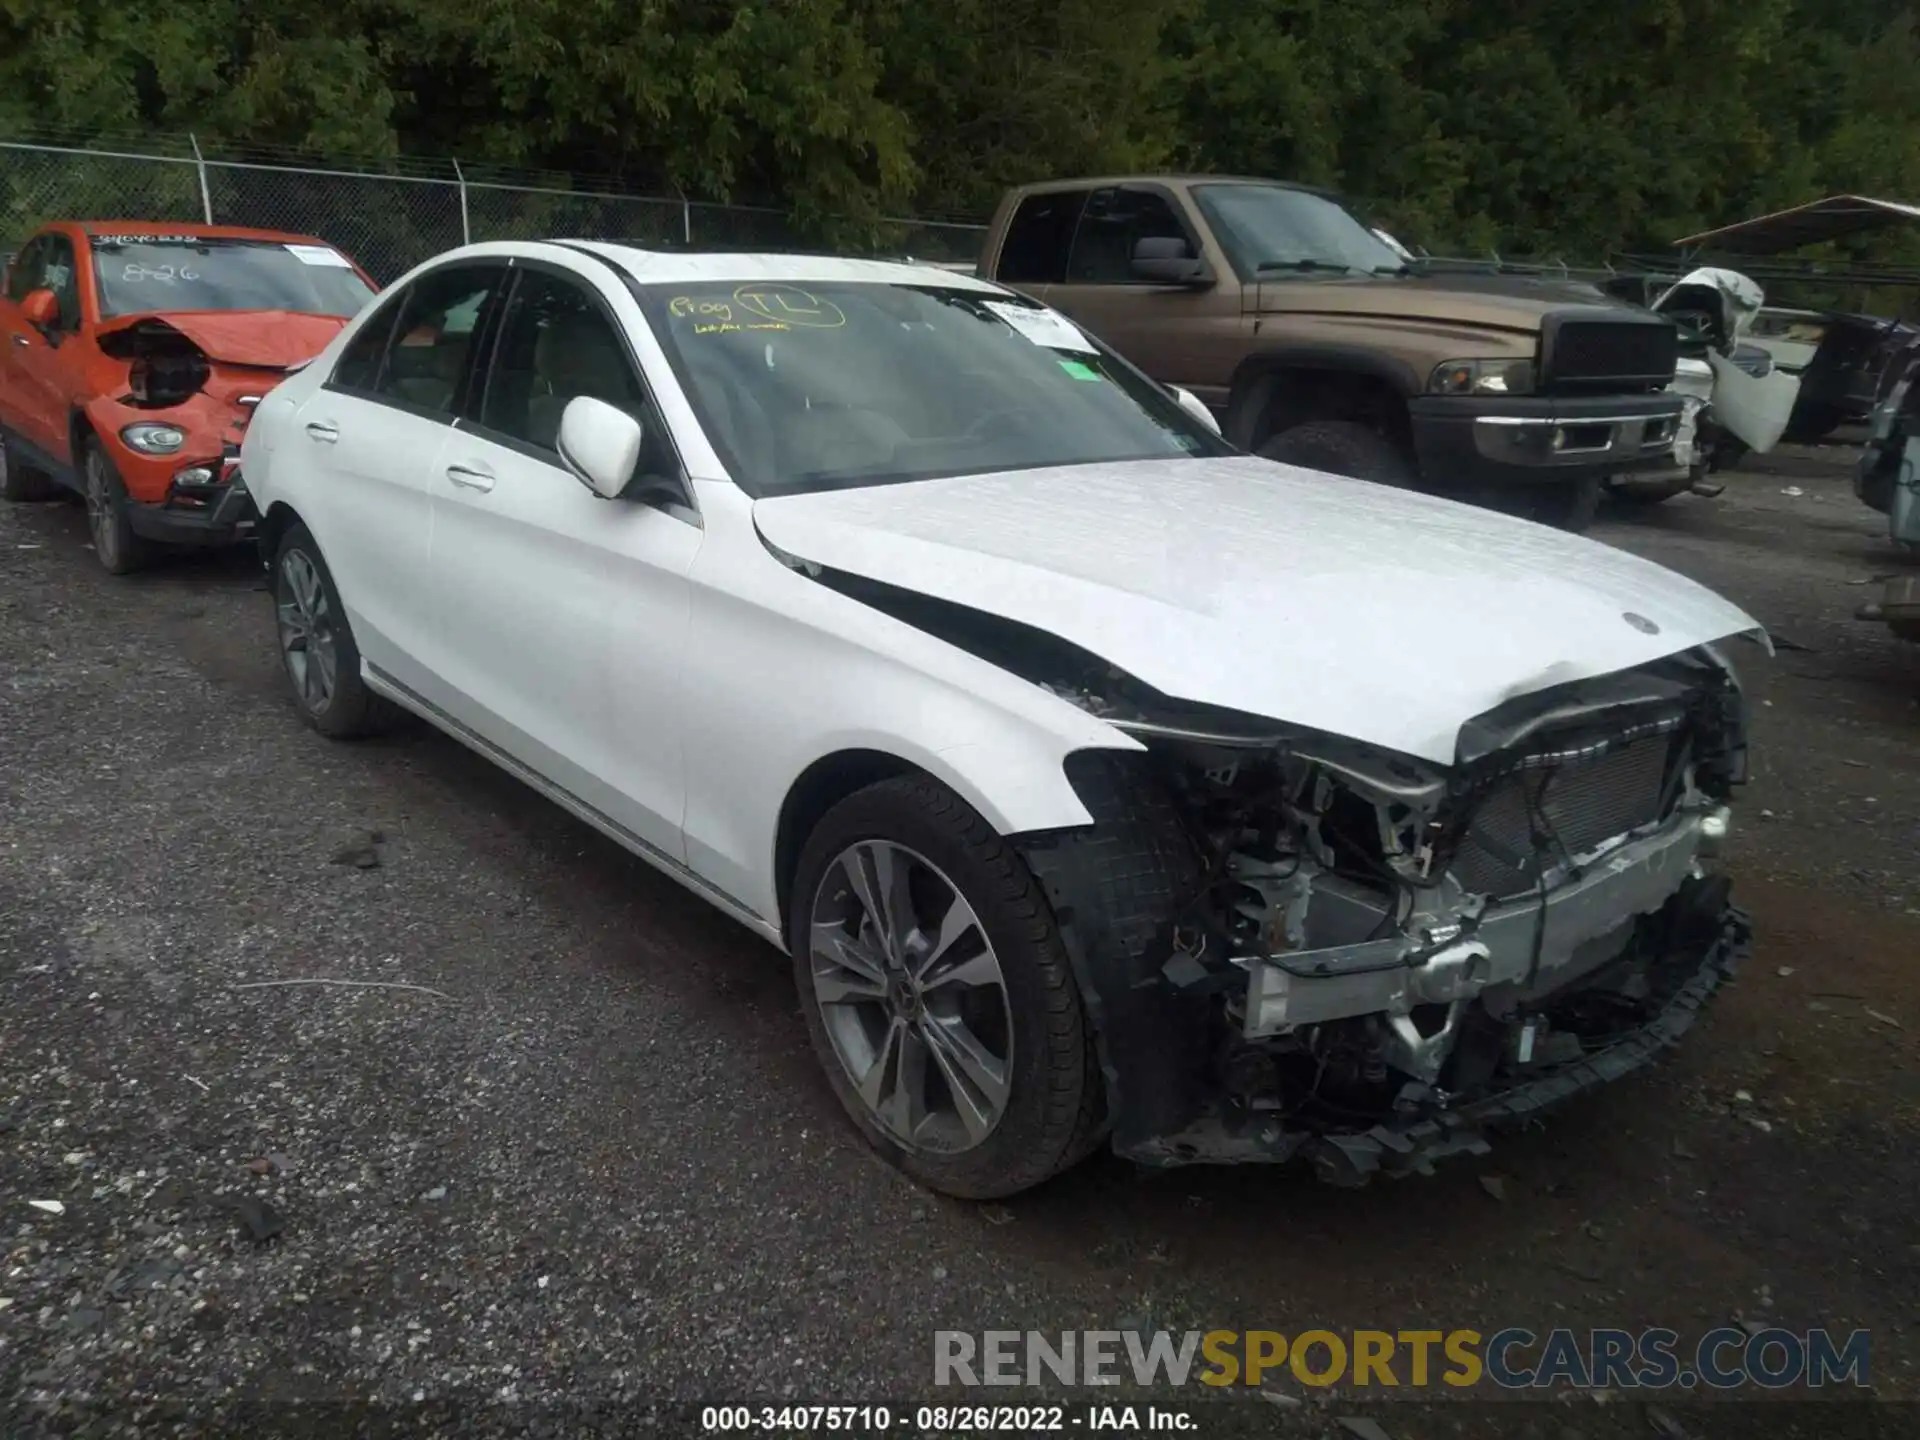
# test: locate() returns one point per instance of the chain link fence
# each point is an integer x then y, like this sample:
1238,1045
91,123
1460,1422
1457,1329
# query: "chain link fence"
390,219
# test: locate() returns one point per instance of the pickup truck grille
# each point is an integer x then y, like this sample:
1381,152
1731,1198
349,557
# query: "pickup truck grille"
1607,354
1579,804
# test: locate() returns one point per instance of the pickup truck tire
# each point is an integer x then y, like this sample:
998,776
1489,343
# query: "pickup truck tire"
17,482
1627,495
1342,447
1570,505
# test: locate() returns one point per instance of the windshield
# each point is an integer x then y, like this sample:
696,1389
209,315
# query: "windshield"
135,274
1269,229
839,384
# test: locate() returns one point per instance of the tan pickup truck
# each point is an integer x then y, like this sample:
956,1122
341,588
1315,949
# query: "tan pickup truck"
1316,343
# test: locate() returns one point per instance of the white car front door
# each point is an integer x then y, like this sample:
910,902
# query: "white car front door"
371,435
560,618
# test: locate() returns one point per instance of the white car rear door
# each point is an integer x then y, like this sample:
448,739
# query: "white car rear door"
370,437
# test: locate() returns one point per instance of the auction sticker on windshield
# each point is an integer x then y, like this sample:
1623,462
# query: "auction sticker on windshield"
319,255
1048,328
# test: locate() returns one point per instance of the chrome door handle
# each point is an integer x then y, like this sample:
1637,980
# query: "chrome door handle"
22,340
469,478
325,434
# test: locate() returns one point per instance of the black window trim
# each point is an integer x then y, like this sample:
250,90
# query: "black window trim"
395,303
468,424
1147,187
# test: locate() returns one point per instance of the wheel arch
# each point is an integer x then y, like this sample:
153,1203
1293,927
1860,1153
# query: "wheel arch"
1321,382
278,520
1000,796
79,430
817,789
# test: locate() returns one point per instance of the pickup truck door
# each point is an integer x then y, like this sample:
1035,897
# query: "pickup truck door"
1180,335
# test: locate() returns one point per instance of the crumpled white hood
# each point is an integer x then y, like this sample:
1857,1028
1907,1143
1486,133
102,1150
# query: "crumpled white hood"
1378,614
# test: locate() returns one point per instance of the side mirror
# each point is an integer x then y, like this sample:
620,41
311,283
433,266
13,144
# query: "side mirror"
1164,260
41,309
1196,407
600,444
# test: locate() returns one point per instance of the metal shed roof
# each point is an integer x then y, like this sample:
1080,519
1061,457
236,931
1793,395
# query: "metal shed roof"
1807,224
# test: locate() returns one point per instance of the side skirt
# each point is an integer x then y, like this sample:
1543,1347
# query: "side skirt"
385,685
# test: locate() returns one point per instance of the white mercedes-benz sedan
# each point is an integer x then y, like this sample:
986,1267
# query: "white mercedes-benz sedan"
1105,785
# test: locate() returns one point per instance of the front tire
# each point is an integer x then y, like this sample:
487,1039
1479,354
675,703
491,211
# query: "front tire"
938,994
1342,447
317,649
115,546
1568,506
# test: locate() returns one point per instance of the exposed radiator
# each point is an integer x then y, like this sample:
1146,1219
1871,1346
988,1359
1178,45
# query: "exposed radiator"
1534,819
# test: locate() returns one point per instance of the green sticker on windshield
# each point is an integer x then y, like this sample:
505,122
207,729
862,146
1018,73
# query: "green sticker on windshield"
1079,371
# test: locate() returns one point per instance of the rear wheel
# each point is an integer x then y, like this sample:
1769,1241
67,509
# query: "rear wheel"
938,994
317,648
118,549
1342,447
17,481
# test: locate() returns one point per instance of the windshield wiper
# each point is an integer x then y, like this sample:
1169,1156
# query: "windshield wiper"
1268,266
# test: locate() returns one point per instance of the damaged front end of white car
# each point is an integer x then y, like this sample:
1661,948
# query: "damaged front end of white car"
1298,946
1351,887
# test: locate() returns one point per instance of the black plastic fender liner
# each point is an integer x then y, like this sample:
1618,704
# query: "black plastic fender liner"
1116,888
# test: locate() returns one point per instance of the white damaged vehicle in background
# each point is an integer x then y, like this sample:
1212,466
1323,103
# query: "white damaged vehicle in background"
1736,399
1104,784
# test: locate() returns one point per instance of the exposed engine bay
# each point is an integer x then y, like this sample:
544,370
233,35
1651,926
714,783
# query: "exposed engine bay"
165,367
1293,943
1388,940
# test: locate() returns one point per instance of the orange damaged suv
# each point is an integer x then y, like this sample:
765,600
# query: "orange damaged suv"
134,356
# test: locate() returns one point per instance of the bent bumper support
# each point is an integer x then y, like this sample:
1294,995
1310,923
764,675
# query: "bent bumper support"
229,520
1411,1146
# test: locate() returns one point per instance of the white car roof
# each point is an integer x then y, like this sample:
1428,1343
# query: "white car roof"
669,266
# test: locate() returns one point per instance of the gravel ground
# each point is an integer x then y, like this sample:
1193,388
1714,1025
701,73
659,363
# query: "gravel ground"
588,1165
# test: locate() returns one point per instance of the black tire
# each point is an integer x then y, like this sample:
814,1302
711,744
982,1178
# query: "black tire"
17,480
115,546
1812,423
1343,447
1632,497
1568,505
1053,1106
343,708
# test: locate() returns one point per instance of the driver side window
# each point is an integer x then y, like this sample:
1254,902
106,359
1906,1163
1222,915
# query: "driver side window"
61,280
1114,221
28,268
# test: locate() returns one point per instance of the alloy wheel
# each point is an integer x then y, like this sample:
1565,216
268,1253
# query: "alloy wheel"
912,997
102,516
306,631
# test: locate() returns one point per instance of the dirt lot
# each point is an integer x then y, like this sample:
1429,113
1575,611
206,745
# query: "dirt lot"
598,1165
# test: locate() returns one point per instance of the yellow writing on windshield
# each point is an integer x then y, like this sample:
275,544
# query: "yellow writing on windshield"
729,327
683,306
790,305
